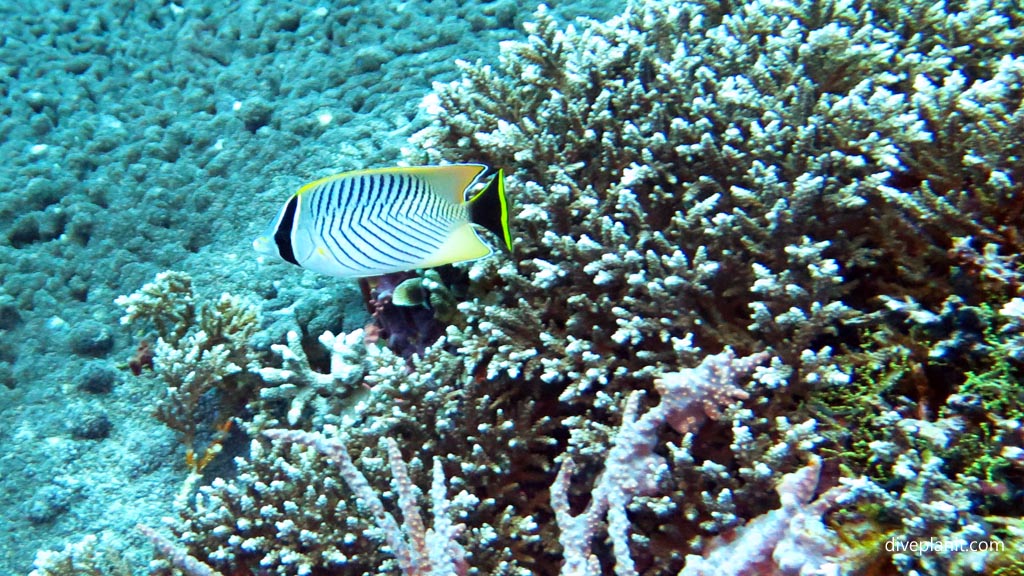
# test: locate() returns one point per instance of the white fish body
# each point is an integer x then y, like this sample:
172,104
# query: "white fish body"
373,222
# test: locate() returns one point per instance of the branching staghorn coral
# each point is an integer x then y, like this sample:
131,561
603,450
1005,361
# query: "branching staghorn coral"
188,565
452,418
770,151
789,540
418,550
286,513
726,172
197,352
692,175
296,382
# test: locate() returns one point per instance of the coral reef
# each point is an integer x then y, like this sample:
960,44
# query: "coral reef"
418,551
823,194
141,137
632,468
285,513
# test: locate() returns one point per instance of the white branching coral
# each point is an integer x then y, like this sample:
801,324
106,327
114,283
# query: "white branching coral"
419,551
769,174
769,191
200,349
296,381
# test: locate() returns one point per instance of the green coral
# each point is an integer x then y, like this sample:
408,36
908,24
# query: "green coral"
973,427
999,388
849,415
998,392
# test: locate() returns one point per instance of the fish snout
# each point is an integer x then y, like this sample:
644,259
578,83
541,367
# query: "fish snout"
264,245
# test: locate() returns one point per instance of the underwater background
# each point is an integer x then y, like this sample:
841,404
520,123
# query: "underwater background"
764,313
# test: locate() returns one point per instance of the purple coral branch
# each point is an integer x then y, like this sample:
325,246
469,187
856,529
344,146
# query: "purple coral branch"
176,555
688,398
788,540
414,528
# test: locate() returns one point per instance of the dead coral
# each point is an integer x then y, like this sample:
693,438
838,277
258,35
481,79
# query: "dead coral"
85,557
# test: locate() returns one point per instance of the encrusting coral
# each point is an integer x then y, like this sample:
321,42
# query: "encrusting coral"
830,190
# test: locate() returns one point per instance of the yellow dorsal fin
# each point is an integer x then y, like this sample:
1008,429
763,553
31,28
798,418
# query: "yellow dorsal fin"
463,244
450,180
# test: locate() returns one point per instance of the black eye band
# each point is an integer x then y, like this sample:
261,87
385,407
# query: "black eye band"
283,234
